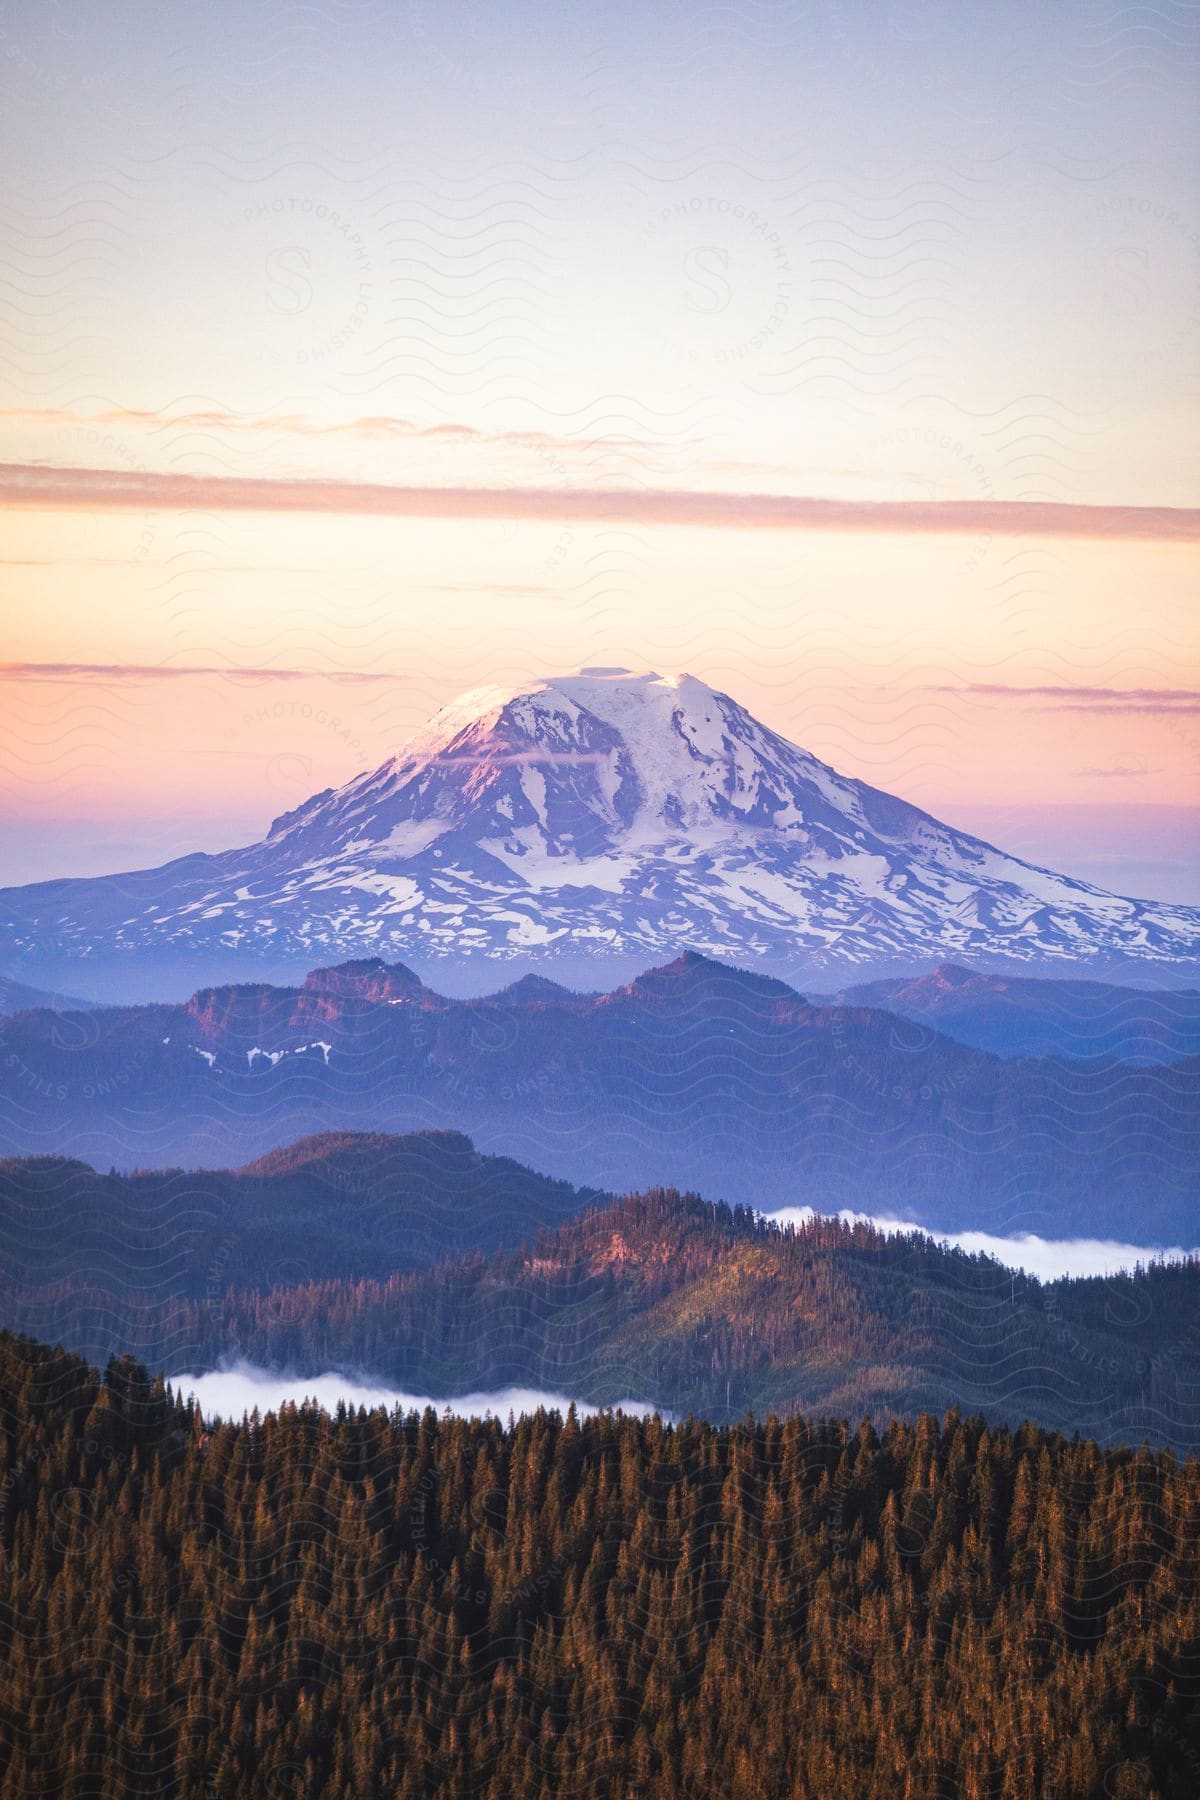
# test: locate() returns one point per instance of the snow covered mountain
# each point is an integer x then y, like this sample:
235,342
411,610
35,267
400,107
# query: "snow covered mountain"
602,817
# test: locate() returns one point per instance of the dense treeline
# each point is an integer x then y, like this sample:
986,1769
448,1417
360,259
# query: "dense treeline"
699,1307
362,1605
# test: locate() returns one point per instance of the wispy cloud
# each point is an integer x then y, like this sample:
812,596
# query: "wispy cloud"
1128,771
1070,698
37,485
30,671
368,425
1154,708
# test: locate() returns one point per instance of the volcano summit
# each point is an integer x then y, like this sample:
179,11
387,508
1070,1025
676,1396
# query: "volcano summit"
596,818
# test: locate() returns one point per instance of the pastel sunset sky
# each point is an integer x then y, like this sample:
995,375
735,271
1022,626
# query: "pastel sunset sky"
845,355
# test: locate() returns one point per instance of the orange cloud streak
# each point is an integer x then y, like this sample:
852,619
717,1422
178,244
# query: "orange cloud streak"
37,485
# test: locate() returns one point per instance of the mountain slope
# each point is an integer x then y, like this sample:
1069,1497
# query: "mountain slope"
1018,1015
600,817
695,1074
707,1310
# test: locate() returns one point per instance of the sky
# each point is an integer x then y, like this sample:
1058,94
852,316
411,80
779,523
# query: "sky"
843,355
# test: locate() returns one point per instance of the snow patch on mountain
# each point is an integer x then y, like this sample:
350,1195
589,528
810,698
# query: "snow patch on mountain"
600,815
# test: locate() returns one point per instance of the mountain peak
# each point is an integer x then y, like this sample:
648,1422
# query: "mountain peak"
599,816
538,990
367,978
609,693
701,977
951,975
327,1151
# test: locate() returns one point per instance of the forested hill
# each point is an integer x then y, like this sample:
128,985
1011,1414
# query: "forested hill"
333,1254
341,1204
700,1307
362,1606
697,1307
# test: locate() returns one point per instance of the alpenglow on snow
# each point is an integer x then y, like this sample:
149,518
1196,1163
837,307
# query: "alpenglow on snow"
596,818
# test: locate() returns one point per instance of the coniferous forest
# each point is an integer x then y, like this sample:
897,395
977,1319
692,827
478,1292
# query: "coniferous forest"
359,1604
687,1304
599,901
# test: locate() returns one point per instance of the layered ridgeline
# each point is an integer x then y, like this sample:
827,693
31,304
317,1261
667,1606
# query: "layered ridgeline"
101,1261
695,1074
697,1307
16,997
597,820
1018,1015
372,1605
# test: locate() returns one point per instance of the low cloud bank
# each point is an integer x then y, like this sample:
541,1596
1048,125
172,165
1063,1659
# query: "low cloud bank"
229,1392
1045,1258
